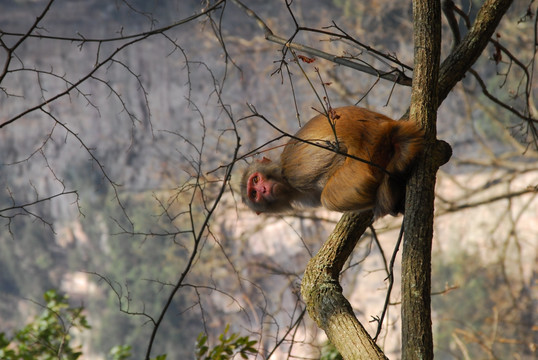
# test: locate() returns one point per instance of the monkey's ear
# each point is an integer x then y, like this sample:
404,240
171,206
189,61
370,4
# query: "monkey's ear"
265,160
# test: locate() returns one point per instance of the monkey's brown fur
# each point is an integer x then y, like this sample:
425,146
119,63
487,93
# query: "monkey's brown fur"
309,175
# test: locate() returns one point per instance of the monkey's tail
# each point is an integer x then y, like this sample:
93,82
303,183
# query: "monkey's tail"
407,142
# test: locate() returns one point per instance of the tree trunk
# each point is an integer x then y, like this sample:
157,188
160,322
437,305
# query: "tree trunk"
320,288
323,294
417,338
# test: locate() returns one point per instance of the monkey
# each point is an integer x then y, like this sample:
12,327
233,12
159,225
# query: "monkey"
350,159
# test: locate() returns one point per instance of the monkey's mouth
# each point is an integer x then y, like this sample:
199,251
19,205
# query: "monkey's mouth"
273,191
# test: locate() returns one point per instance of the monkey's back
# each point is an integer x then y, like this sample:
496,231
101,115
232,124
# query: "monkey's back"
347,182
347,130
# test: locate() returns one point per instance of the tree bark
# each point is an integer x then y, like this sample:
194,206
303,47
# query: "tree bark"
455,66
417,338
431,85
323,294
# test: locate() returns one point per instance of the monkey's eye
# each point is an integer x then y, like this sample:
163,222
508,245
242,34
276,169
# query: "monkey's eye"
255,180
253,194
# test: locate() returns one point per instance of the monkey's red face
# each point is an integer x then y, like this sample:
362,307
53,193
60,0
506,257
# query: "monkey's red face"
260,189
264,189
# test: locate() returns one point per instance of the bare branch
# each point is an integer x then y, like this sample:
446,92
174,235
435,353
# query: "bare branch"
393,75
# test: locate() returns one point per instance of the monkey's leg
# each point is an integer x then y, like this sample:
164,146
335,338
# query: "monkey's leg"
352,187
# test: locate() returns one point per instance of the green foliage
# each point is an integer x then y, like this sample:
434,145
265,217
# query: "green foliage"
48,336
120,352
329,352
227,348
123,352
